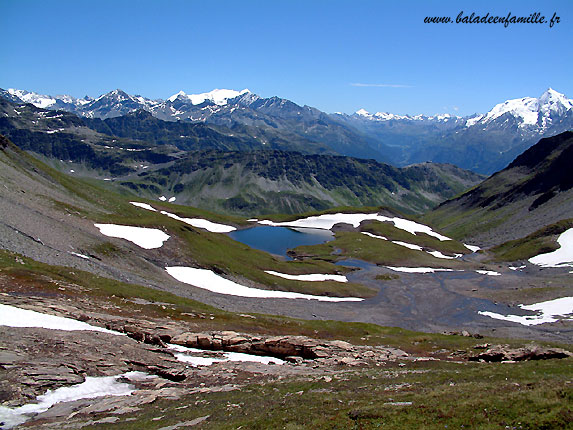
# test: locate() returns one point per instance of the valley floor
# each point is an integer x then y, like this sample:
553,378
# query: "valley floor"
429,383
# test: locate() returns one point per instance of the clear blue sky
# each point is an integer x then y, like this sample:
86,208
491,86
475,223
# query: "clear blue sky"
313,52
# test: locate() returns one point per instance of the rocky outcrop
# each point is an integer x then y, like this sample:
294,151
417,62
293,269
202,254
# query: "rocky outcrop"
140,334
499,353
287,347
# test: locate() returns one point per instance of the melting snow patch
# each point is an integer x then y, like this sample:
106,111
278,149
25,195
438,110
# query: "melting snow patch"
202,223
85,257
517,268
310,277
92,387
143,206
408,245
418,269
488,272
438,254
472,248
562,257
206,279
147,238
374,235
190,355
11,316
327,221
548,311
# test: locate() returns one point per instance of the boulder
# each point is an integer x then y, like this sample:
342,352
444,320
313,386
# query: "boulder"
499,353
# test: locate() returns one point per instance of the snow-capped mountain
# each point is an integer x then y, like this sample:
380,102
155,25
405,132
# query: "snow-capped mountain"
481,142
49,102
529,112
115,103
219,97
386,116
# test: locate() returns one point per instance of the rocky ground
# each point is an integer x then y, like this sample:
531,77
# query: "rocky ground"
34,360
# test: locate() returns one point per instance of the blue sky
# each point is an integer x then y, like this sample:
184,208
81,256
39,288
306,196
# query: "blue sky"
334,55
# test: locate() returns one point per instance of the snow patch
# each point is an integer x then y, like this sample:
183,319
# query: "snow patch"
202,223
206,279
438,254
374,235
192,356
548,310
143,206
12,316
309,277
408,245
91,388
472,248
562,257
327,221
418,269
488,272
147,238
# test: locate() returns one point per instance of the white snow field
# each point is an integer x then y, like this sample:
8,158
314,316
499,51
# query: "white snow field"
147,238
195,222
202,223
143,206
208,280
309,277
472,248
92,387
562,257
488,272
327,221
547,312
12,316
436,254
418,269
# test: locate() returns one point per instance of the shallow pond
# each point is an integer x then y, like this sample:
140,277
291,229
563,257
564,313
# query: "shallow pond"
277,240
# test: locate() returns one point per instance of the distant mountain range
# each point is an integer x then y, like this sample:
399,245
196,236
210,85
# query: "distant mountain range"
245,170
483,143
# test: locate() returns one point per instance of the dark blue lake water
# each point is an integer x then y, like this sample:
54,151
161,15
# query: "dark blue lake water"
277,240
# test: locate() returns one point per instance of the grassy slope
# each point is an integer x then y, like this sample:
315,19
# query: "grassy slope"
529,395
376,251
540,242
197,246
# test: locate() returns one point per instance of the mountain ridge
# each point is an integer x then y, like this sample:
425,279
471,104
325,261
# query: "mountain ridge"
484,143
533,191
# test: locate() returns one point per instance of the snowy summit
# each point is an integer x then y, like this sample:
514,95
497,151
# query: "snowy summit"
529,111
219,97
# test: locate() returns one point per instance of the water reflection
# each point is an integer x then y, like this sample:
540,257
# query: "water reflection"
277,240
